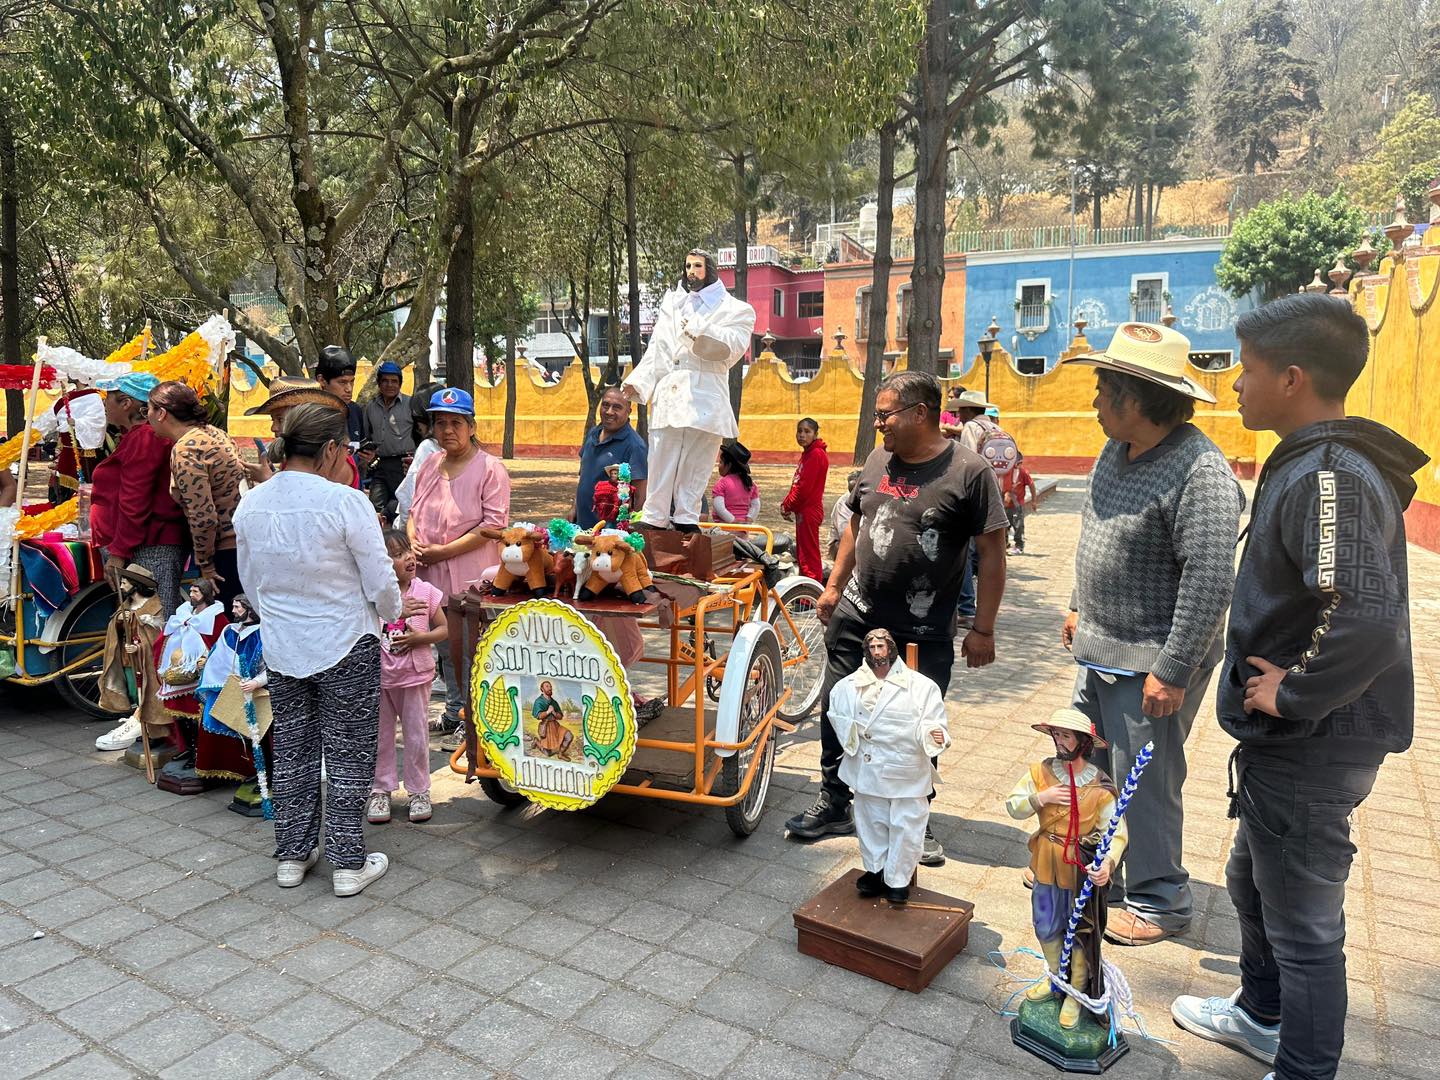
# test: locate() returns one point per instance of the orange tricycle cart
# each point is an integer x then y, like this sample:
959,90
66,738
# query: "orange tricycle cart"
552,714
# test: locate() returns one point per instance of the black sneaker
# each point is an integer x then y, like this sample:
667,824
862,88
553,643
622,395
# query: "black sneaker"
898,896
870,883
932,854
822,819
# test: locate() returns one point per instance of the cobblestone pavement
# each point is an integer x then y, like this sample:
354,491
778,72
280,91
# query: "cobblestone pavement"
635,940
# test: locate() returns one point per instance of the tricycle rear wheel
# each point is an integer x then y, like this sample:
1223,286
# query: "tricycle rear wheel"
80,689
764,680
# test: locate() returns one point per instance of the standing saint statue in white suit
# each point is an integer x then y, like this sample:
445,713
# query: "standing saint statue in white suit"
701,332
890,721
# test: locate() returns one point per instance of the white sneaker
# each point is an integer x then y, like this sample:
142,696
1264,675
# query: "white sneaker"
1223,1021
420,807
121,735
291,872
350,882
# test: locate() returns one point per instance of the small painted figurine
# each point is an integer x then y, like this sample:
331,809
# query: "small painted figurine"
891,722
1074,801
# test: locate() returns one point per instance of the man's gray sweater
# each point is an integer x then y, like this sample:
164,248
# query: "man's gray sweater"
1155,565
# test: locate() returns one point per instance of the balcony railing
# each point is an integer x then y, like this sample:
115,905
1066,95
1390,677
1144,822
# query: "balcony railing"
979,241
1033,316
1148,309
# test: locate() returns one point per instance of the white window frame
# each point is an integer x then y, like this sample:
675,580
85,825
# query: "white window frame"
1033,331
902,332
1163,276
777,302
862,304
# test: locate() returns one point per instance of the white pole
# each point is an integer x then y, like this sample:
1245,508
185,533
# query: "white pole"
24,468
1070,288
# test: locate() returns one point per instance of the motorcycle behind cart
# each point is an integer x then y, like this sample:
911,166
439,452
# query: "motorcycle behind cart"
553,713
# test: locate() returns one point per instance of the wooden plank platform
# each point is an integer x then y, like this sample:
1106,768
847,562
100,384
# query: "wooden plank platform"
667,768
903,945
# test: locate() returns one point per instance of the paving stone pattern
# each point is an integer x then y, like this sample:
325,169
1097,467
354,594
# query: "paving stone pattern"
639,939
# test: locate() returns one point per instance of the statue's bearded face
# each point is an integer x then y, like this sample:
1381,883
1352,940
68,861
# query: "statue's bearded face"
880,651
699,272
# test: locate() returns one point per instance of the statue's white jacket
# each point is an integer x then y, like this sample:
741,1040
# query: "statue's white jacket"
888,747
684,375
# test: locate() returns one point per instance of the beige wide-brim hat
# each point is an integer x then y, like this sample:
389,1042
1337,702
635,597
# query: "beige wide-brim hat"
971,399
290,390
1154,353
1071,720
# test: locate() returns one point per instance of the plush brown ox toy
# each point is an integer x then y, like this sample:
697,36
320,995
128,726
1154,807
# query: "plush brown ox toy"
523,558
615,560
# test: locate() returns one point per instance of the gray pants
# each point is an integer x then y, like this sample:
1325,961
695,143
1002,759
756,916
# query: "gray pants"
1151,882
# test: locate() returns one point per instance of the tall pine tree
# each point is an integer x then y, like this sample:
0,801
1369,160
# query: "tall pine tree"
1269,88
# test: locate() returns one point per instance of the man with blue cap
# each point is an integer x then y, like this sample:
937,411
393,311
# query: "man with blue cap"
389,427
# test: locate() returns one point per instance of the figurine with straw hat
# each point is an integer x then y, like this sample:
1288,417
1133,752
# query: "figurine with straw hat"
1074,801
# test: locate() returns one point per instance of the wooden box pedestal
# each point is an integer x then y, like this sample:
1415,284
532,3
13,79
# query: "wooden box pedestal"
905,946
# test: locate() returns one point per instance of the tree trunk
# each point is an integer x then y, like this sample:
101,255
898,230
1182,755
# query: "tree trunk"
1139,203
10,272
927,277
459,305
879,294
1149,208
507,447
1095,217
632,253
742,275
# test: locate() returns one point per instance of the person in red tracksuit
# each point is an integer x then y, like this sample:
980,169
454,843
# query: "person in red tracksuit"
805,503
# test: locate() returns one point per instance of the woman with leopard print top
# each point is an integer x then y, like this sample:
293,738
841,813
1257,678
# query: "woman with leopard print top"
205,475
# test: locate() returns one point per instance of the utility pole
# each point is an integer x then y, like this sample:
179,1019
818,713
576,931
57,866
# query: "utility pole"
1070,287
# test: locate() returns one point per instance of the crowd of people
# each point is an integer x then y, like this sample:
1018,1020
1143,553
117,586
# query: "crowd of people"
342,545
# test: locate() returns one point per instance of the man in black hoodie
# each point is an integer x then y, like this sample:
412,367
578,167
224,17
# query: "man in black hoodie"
1317,684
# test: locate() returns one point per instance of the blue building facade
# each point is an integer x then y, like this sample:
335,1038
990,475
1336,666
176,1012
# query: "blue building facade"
1029,293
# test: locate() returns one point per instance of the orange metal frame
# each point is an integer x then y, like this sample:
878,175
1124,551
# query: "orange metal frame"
20,643
738,595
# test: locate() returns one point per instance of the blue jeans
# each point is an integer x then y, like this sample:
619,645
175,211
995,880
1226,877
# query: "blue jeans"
966,607
1286,878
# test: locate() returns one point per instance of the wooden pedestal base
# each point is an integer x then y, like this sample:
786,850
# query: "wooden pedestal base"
903,945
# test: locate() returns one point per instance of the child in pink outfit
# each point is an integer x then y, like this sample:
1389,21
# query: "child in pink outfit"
407,668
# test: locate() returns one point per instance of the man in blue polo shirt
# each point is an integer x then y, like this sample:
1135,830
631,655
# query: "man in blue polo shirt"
611,442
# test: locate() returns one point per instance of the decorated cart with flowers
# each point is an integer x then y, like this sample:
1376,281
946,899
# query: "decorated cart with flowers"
733,644
54,602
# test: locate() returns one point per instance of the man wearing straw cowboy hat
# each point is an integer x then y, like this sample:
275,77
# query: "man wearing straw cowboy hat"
1154,569
287,391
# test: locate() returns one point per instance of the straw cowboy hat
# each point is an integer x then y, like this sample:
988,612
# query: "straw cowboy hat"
287,391
1071,720
971,399
1154,353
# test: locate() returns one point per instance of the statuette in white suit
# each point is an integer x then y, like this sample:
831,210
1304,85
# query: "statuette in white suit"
890,721
700,333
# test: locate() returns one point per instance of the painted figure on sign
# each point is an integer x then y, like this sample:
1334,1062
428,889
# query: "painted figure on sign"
552,738
1074,801
890,721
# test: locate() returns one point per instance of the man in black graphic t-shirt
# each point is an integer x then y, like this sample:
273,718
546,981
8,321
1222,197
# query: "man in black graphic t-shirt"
920,499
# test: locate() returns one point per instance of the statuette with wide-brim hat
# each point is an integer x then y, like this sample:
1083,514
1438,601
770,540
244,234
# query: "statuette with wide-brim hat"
1154,353
1071,720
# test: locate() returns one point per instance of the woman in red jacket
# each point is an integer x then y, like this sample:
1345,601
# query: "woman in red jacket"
132,516
805,503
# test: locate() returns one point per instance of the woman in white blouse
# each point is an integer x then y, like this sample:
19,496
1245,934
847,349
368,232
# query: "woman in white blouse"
312,558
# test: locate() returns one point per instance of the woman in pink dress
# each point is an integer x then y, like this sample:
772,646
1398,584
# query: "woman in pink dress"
457,492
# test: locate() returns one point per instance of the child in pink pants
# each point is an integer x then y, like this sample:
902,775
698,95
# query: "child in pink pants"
407,668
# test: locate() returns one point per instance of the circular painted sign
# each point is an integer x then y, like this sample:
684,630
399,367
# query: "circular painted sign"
551,705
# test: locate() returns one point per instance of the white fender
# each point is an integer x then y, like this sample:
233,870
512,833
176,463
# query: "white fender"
748,638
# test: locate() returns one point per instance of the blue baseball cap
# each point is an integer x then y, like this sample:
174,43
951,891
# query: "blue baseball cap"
452,401
133,384
389,367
